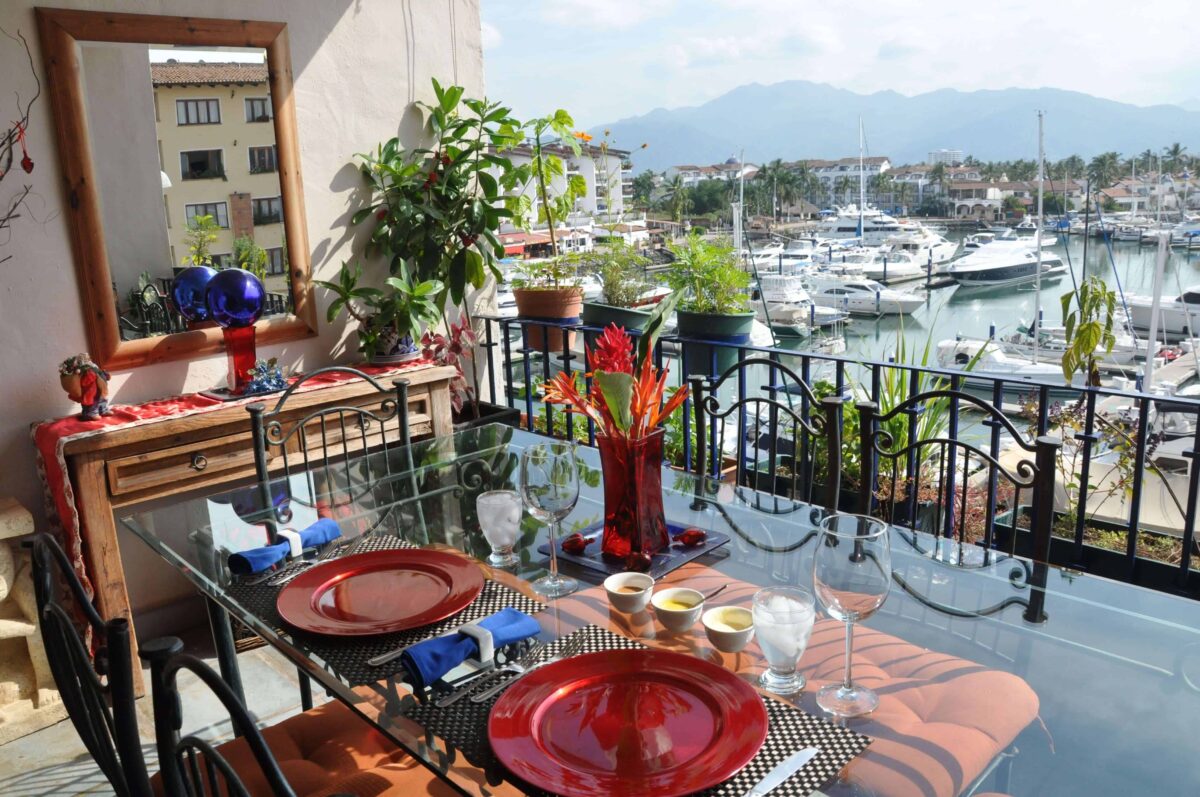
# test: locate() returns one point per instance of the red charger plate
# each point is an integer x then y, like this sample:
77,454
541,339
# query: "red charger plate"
628,722
379,592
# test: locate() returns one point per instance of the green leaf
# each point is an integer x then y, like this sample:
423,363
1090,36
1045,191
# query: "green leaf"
450,98
654,325
617,389
360,216
475,271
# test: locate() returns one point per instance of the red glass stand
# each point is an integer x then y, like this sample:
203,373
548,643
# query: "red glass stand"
239,350
633,502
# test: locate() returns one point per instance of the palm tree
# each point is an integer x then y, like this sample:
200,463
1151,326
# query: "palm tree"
881,184
677,198
1145,160
843,186
770,174
903,187
787,190
1104,168
1173,155
1071,166
937,176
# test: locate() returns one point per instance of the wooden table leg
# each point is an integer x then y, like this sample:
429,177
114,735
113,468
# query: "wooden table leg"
101,550
440,409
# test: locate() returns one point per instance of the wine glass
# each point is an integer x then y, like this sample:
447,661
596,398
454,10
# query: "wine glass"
550,488
783,622
852,572
499,513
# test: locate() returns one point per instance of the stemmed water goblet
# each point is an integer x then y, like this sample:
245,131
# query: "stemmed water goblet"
852,573
550,488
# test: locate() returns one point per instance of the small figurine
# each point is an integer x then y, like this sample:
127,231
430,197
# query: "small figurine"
265,377
86,383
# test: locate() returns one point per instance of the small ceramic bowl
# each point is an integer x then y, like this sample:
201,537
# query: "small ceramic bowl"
729,628
683,615
629,602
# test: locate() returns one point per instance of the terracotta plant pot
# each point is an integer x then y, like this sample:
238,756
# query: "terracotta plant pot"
557,307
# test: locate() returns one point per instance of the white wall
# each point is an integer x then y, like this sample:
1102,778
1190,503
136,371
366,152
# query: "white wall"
357,66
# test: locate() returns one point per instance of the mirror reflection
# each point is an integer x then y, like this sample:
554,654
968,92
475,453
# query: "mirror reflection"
186,165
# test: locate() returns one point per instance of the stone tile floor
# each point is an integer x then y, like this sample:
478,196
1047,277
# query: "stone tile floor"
54,763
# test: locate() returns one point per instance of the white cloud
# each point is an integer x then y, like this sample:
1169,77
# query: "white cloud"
490,35
592,15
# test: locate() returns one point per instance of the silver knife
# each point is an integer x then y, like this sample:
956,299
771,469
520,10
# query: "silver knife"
782,771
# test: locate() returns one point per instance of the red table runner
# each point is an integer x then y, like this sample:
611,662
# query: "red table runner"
50,438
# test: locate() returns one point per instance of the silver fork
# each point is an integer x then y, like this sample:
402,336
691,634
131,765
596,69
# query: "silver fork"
519,666
567,652
281,577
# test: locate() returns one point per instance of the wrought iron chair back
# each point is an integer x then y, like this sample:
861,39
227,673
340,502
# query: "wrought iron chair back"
789,431
328,447
922,479
98,693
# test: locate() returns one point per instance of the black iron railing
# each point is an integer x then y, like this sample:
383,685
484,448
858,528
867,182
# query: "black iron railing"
1127,488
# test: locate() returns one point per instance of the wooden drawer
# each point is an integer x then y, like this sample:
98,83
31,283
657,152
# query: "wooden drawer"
231,456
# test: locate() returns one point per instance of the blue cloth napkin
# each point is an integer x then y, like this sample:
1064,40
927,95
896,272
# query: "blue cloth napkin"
256,560
428,661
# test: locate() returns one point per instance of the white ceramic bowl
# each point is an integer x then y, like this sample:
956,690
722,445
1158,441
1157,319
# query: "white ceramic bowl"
676,619
729,628
629,602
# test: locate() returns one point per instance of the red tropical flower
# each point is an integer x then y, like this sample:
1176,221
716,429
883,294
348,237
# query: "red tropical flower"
612,352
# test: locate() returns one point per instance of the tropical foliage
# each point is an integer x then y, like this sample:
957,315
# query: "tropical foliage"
200,236
626,398
708,277
1089,327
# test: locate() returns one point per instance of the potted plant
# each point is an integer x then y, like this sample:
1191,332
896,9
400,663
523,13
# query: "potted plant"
622,274
714,305
389,321
548,290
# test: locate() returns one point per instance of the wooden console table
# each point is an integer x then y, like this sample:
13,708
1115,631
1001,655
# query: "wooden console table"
134,464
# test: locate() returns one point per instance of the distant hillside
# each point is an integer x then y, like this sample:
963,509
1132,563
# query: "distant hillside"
799,119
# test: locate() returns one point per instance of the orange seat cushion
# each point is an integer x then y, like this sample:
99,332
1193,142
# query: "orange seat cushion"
331,750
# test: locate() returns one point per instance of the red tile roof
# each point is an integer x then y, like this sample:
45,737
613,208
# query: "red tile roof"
206,74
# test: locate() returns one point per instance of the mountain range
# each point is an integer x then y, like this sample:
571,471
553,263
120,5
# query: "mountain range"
799,119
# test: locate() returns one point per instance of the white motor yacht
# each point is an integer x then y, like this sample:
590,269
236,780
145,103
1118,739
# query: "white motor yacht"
923,246
876,263
876,226
861,296
1177,317
986,360
1052,344
783,300
1004,263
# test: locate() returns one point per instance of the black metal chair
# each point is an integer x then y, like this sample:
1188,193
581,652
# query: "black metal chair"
99,696
322,446
97,692
799,436
936,482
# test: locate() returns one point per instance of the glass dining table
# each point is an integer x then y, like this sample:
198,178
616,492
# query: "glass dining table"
1101,697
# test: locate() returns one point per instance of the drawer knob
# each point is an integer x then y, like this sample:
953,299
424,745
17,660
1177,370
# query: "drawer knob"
199,461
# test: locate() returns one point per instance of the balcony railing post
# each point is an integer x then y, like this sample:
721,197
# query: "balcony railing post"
698,387
1042,524
866,442
832,408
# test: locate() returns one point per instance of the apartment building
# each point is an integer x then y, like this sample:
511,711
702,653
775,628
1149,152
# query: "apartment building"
216,146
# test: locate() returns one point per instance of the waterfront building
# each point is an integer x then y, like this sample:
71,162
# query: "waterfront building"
950,157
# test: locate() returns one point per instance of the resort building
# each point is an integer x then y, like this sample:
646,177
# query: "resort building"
950,157
731,169
984,201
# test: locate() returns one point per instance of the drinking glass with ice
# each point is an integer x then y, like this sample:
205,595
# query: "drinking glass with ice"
783,622
499,513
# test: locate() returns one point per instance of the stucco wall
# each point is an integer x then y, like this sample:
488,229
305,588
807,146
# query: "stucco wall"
357,65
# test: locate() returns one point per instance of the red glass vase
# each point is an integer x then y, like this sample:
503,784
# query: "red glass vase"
633,502
240,353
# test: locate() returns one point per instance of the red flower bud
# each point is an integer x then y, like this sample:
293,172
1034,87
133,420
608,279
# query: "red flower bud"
27,164
692,537
382,214
575,544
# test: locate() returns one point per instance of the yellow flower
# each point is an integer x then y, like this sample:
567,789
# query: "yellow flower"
582,136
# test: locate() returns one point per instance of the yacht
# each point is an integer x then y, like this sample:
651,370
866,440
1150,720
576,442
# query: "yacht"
1177,317
978,240
877,226
1004,263
1052,344
782,301
876,263
986,361
862,296
923,246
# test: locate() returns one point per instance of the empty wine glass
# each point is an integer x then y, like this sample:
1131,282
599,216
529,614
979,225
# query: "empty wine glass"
852,572
499,513
550,488
783,622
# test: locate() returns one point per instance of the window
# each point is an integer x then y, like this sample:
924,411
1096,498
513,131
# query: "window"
198,112
258,109
268,211
224,260
201,164
262,159
275,263
218,210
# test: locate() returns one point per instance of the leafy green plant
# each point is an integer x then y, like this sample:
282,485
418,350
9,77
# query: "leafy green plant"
546,166
710,277
401,311
622,272
438,208
250,256
200,236
1089,326
551,274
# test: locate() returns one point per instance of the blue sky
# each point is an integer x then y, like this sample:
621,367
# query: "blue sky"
607,59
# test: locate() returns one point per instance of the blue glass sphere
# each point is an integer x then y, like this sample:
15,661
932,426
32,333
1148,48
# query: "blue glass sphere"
189,292
235,298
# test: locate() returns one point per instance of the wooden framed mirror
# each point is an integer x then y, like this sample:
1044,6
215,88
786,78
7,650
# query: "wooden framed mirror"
173,132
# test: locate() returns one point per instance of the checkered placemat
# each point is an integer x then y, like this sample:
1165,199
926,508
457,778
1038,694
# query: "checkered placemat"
464,726
347,656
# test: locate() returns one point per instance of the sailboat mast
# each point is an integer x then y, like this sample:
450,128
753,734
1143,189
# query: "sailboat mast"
862,179
1037,303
